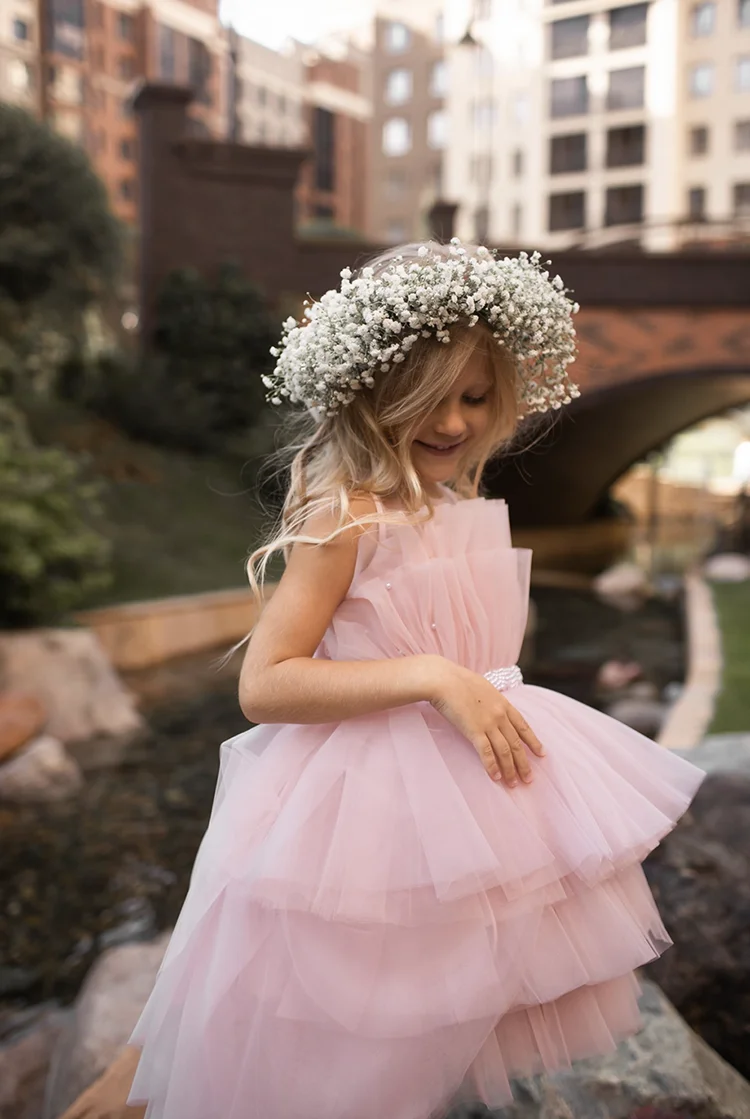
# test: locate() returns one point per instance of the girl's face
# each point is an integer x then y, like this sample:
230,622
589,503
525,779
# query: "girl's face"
456,422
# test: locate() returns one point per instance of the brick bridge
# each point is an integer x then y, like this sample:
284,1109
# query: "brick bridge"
664,339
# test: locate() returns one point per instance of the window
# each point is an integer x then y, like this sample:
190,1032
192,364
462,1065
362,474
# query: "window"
483,115
742,74
624,205
703,19
516,219
439,79
199,70
698,140
569,37
481,224
324,213
697,203
20,75
517,163
569,97
66,18
167,43
398,87
520,106
127,189
627,26
480,171
626,146
701,79
127,149
125,66
125,27
396,136
437,130
626,88
126,108
743,13
395,183
324,146
20,30
397,38
484,62
742,136
568,153
742,200
567,211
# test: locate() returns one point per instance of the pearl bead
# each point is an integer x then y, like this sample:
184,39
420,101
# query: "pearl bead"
388,586
433,626
504,678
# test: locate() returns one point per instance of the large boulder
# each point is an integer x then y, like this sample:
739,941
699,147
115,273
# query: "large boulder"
27,1039
41,771
68,671
700,876
21,718
664,1072
105,1013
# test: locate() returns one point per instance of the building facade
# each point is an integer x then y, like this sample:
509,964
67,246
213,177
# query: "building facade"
19,53
266,94
598,122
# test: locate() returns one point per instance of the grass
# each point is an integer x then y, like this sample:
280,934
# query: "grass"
732,601
178,523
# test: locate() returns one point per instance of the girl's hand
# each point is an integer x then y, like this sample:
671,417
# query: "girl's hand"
497,731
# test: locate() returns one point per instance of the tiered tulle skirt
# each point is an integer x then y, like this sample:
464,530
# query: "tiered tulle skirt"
374,928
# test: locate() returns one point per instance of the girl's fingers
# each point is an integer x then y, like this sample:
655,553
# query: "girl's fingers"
524,731
505,757
518,750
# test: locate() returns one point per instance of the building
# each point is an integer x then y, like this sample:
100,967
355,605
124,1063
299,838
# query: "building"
91,54
19,52
266,94
589,121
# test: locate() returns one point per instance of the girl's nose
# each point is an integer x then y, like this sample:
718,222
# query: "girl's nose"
449,420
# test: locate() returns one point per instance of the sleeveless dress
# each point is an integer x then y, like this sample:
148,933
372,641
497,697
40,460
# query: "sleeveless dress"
374,928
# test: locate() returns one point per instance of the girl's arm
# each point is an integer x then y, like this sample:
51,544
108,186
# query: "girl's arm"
280,681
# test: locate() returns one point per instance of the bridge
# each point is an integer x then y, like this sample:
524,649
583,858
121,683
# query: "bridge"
664,338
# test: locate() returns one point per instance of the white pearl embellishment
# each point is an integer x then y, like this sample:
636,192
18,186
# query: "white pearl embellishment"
504,678
433,626
388,586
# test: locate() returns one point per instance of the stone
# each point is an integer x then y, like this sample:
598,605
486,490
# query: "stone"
105,1014
644,715
721,753
68,671
728,567
700,877
25,1052
664,1072
21,718
41,772
106,1097
625,586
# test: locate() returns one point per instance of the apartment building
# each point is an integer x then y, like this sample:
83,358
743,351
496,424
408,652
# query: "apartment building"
266,94
19,52
592,122
76,63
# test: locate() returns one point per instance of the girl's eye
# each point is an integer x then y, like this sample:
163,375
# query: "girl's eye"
476,399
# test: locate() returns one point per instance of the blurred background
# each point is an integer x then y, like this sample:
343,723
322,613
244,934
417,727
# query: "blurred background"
176,176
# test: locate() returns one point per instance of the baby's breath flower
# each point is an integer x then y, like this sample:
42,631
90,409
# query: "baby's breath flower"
364,327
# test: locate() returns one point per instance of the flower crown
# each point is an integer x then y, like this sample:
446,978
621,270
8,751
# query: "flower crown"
373,321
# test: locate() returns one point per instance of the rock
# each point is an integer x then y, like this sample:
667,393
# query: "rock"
106,1097
138,924
105,1013
24,1060
613,676
644,715
664,1071
721,753
41,772
625,586
68,672
729,567
700,876
21,718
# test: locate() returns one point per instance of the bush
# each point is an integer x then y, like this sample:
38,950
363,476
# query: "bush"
51,558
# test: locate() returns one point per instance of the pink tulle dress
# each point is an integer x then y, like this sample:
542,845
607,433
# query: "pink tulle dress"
374,928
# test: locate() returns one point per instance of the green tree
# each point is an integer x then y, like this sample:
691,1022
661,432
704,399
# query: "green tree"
60,245
51,557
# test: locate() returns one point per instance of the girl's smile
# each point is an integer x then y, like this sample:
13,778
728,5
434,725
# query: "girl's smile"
454,424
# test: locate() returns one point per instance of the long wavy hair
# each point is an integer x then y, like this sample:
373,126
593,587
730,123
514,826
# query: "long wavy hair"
366,447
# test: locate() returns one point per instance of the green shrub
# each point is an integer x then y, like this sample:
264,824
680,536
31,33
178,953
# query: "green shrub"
51,557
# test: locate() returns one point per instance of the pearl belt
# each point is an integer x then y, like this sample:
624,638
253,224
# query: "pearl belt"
505,678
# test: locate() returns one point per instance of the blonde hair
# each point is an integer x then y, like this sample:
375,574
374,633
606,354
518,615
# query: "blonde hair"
366,447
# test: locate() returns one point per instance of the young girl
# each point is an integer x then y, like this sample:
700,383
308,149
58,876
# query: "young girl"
421,876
